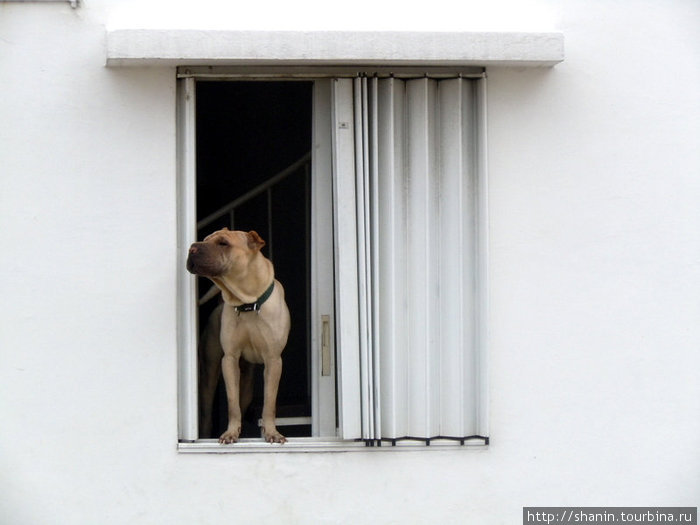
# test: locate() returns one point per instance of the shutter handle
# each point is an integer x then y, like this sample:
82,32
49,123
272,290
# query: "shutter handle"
325,345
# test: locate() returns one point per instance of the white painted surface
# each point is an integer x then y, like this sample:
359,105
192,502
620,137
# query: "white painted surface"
595,271
210,47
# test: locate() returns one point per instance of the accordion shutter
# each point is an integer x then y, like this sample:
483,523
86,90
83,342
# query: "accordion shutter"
415,169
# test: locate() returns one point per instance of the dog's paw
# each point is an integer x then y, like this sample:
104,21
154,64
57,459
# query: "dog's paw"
274,436
230,436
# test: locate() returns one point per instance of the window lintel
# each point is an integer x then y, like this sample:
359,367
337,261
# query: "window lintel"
186,47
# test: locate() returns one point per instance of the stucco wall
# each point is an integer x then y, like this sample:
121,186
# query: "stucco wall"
595,268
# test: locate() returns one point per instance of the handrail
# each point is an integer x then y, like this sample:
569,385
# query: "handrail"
228,208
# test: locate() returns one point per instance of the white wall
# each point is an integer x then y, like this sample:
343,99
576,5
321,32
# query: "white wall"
595,265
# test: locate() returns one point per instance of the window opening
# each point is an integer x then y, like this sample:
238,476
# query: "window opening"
253,173
398,167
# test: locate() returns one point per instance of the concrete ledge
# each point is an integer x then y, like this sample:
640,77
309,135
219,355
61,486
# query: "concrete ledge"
143,47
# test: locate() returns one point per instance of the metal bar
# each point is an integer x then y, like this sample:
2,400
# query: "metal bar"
289,170
251,72
482,279
270,244
307,255
187,284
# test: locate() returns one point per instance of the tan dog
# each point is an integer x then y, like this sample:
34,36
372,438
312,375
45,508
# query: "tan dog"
254,321
209,356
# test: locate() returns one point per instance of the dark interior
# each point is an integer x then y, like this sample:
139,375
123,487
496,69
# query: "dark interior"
248,131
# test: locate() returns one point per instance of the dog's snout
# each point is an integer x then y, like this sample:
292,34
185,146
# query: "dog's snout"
201,260
192,254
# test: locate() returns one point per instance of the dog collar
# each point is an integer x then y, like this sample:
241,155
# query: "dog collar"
255,307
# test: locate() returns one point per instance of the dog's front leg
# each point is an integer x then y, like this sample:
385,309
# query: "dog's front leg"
273,372
232,378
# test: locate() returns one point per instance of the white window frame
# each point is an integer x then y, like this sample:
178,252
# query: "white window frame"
322,303
351,399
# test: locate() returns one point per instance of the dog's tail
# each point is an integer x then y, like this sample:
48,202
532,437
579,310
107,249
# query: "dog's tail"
211,293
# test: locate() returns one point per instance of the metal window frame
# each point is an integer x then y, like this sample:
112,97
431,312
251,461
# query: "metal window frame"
323,386
188,430
187,337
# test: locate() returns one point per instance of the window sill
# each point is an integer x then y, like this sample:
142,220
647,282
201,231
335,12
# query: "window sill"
146,47
212,446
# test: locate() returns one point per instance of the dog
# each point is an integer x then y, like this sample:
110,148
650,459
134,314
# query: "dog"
255,322
210,354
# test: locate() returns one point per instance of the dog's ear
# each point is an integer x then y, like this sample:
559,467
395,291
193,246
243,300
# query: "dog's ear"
254,241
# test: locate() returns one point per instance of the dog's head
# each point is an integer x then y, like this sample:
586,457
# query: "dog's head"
223,252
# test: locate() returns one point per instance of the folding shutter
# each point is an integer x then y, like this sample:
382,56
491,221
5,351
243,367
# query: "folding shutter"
415,237
350,404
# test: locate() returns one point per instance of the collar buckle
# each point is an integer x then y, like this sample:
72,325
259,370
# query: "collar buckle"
255,307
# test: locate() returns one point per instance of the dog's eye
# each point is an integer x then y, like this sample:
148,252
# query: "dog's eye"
222,243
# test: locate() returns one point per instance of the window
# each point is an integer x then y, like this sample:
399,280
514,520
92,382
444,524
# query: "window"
381,247
253,144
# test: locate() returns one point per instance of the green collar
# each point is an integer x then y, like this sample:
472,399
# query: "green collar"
255,307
